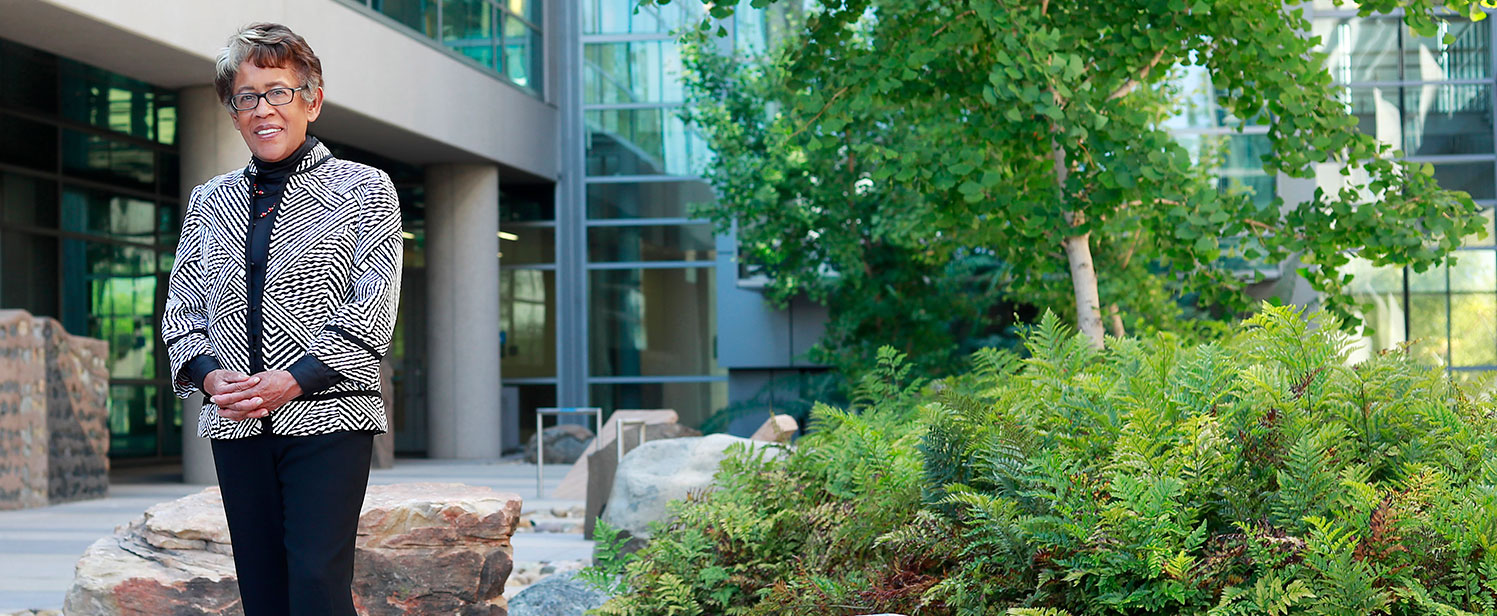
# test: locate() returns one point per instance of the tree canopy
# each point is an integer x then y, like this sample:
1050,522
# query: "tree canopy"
913,162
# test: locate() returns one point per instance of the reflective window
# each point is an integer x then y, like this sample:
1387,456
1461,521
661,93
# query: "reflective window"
105,100
527,308
97,212
1447,119
1363,50
1377,111
642,142
418,15
628,16
133,415
652,322
112,290
469,28
692,402
1473,309
29,279
522,244
28,201
30,78
651,243
1238,161
27,143
635,72
1429,319
1430,58
1477,178
502,35
87,233
518,204
108,160
529,397
1359,50
523,57
646,199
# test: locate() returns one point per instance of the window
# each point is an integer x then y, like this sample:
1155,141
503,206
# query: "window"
503,36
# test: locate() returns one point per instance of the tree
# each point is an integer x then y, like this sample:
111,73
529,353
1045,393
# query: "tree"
1031,133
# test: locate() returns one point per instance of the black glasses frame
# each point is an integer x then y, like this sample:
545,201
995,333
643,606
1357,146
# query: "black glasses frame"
233,98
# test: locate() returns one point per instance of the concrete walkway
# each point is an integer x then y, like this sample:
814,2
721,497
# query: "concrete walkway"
39,547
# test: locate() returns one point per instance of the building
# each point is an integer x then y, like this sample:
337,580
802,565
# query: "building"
544,177
1430,99
552,258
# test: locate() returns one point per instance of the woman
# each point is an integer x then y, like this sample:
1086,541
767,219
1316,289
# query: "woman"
281,303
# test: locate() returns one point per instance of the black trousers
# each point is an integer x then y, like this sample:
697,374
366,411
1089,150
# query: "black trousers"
293,506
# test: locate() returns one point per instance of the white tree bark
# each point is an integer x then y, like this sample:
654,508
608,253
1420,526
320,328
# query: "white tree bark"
1079,255
1084,281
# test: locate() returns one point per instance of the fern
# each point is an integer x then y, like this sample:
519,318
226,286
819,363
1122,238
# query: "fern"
1260,474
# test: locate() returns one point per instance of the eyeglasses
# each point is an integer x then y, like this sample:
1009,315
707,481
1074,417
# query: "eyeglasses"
274,96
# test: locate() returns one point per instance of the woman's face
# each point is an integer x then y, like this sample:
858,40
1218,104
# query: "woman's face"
273,132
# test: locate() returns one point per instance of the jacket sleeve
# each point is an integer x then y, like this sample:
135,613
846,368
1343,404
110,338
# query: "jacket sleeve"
184,320
358,336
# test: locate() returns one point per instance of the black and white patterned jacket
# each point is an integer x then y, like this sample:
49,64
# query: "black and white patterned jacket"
331,288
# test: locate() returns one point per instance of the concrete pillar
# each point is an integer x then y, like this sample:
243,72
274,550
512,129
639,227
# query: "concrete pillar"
209,146
462,273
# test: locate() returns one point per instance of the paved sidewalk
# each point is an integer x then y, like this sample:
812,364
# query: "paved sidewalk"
38,547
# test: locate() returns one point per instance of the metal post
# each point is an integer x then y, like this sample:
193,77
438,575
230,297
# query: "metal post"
619,441
540,436
540,453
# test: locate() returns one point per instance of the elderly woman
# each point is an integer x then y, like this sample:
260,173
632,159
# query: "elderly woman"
281,303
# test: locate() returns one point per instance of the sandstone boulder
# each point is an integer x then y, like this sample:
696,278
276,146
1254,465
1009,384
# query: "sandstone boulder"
565,443
662,471
776,429
423,548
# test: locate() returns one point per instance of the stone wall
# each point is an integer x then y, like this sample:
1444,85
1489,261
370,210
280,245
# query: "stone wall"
54,413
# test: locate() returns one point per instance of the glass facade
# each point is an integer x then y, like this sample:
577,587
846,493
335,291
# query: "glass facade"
648,267
1431,98
89,196
504,36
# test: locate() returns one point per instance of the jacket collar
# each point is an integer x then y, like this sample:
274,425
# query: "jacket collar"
316,156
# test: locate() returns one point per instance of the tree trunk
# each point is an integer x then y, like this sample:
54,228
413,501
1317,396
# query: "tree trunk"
1079,254
1116,322
1084,281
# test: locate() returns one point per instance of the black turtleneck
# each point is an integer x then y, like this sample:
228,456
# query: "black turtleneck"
267,185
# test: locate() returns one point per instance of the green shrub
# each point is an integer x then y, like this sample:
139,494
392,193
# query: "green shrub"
1259,475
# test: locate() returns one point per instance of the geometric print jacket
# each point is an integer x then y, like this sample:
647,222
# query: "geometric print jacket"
332,283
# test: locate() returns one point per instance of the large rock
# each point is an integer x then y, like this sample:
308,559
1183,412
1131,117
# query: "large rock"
54,413
603,463
423,548
565,443
662,471
558,595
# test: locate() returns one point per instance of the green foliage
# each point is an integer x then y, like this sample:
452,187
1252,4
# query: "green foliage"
609,559
1257,475
784,534
912,164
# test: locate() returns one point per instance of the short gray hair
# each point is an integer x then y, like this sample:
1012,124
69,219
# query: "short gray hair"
267,45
